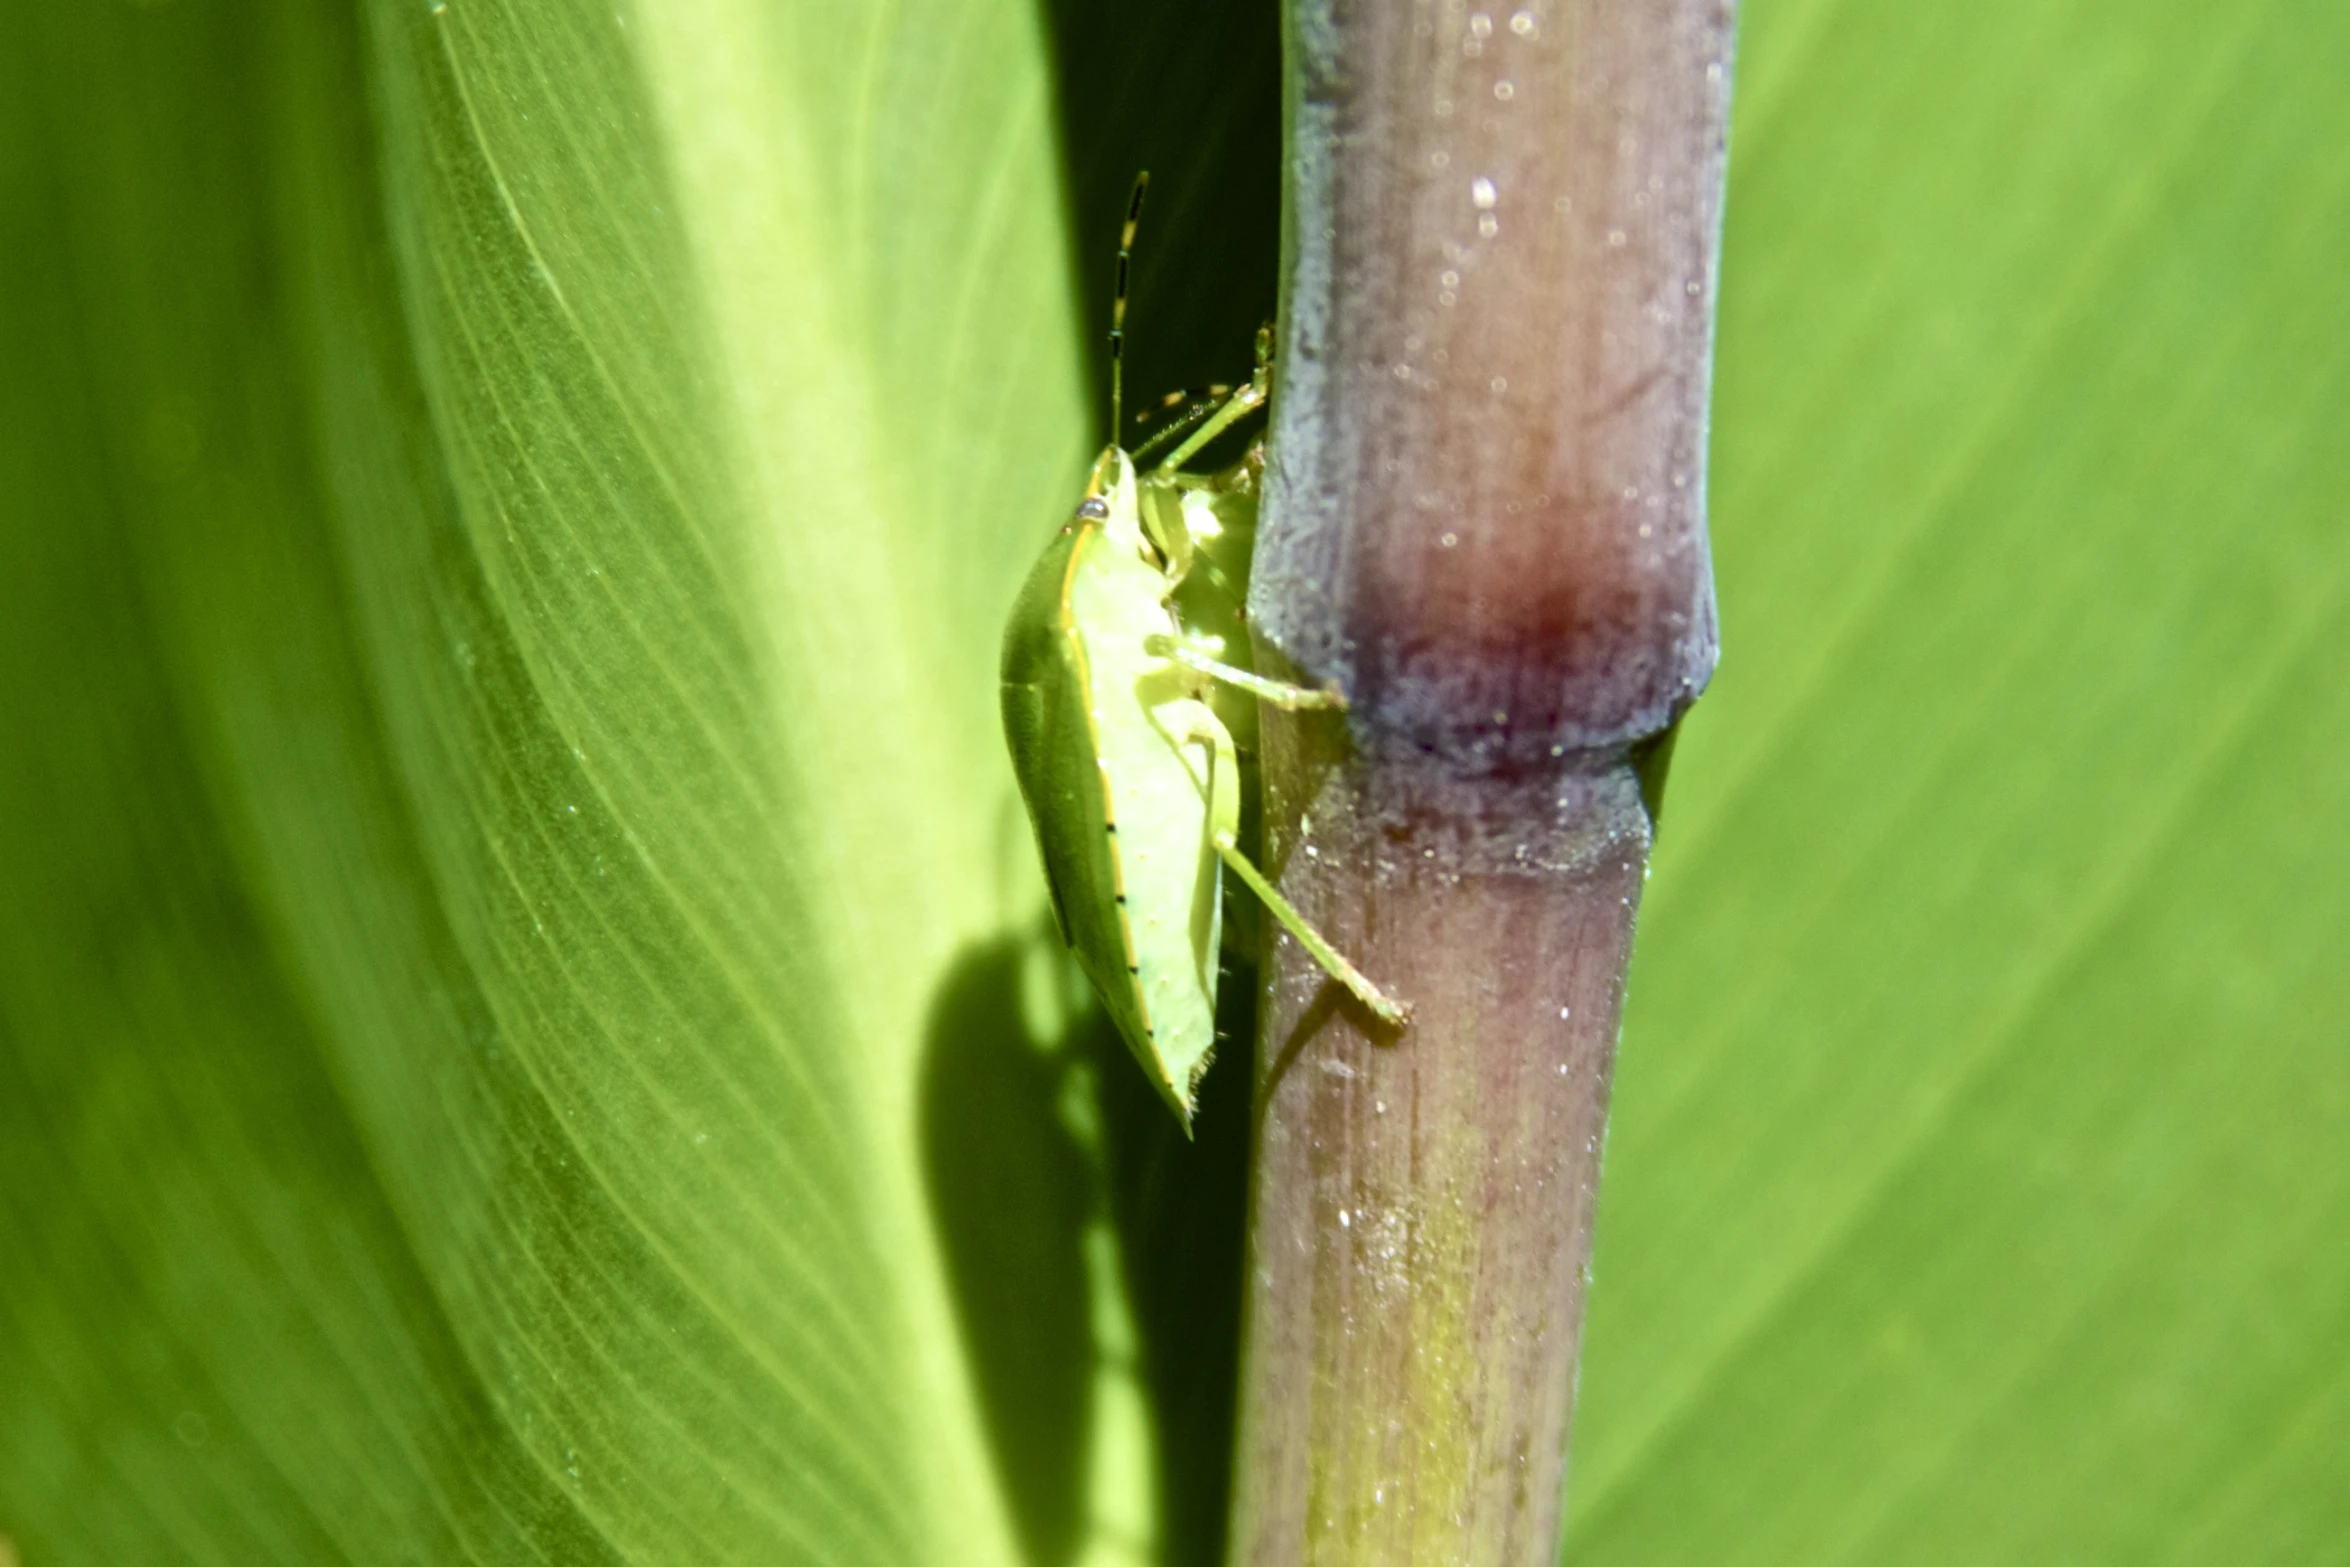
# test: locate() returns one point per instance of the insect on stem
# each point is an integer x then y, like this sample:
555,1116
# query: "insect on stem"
1132,781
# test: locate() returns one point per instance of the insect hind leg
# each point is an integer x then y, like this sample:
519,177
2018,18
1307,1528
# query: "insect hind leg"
1191,721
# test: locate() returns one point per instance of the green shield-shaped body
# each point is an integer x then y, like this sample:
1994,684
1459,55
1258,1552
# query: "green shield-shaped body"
1121,812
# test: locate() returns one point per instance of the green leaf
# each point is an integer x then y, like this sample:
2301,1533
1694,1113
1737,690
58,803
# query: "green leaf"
516,1040
518,755
525,1029
1979,1167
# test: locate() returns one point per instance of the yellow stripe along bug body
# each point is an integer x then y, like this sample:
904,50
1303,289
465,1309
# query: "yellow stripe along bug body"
1132,781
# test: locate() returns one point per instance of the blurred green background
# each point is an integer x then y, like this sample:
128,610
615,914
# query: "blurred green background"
524,1029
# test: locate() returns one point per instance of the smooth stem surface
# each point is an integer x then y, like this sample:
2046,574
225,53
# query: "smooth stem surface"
1423,1200
1484,519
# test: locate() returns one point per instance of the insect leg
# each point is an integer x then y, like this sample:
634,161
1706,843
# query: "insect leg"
1222,414
1187,721
1199,653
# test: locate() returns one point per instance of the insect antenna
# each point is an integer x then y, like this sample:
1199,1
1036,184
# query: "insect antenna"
1142,183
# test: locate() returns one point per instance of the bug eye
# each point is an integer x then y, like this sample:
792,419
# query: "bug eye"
1093,506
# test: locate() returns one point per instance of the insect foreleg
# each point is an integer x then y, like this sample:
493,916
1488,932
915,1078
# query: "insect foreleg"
1199,653
1232,409
1191,722
1205,407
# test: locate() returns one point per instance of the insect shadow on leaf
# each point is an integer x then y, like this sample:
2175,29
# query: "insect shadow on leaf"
1034,1130
1012,1192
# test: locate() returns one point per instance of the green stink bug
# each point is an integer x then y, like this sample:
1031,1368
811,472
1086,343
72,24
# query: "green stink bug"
1132,781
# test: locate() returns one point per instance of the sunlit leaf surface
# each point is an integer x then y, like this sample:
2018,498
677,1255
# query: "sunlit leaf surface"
1981,1153
523,1035
509,629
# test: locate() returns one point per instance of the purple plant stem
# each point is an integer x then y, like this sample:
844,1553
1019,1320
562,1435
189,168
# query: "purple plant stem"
1485,519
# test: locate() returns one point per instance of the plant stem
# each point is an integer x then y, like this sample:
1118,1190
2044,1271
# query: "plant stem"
1485,519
